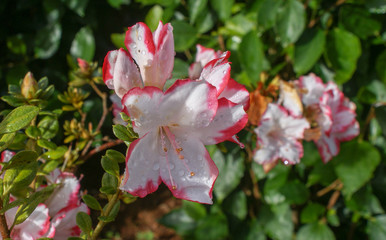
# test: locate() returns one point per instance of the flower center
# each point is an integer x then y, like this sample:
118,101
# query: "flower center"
166,134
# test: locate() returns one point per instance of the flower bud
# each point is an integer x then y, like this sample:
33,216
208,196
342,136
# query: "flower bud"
84,66
29,86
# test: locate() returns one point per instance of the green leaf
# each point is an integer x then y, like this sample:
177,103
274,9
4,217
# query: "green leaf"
6,140
117,3
122,133
78,6
205,21
295,192
84,222
312,212
364,202
33,132
380,66
21,158
16,45
343,51
184,35
195,8
194,210
315,231
213,227
118,39
56,154
231,170
14,101
43,143
91,202
83,45
355,165
256,231
252,61
110,166
109,184
276,221
223,8
380,114
18,118
48,126
47,40
322,173
236,205
153,17
377,227
268,13
358,21
291,21
115,155
19,176
180,221
308,50
26,209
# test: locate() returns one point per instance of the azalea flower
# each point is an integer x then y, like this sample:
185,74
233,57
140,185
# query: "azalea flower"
148,62
34,227
278,134
330,112
173,128
117,109
63,204
203,56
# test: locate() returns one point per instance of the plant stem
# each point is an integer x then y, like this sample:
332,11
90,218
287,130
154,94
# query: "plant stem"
101,224
102,147
3,223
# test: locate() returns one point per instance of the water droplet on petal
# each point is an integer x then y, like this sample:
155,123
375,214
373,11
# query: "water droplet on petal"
143,53
224,72
140,38
286,162
156,167
134,46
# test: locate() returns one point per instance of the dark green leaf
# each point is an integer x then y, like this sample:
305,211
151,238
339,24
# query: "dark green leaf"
180,221
33,132
194,210
252,61
6,140
355,165
295,192
184,35
236,205
195,8
115,155
83,45
358,21
18,119
380,114
291,21
315,231
256,231
48,126
43,143
205,21
84,222
377,227
308,50
268,12
91,202
118,39
13,101
110,166
223,8
231,168
47,40
277,221
343,51
16,44
380,66
117,3
78,6
212,227
312,212
110,181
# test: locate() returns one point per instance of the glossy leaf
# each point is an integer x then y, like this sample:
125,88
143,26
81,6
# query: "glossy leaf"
83,45
91,202
184,35
84,222
18,119
223,8
317,231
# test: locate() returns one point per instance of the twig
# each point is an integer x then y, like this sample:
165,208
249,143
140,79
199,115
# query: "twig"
102,147
337,184
316,20
221,42
101,224
333,199
3,224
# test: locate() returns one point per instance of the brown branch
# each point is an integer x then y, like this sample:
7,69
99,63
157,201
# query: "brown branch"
337,184
3,224
102,147
221,42
333,199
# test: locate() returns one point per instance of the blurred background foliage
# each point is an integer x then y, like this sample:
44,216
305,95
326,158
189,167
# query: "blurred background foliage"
341,41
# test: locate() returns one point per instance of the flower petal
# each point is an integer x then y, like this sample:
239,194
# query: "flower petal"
139,42
236,93
351,132
291,99
205,55
191,178
195,70
266,154
314,89
217,72
108,68
164,42
291,152
294,127
229,120
141,175
189,103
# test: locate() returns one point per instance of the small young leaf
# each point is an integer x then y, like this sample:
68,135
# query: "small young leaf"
110,166
91,202
122,133
33,132
48,126
84,222
117,156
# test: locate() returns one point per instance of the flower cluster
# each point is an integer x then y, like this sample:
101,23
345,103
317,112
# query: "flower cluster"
56,217
306,109
173,125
